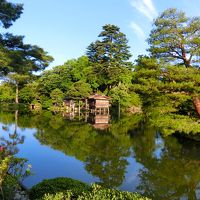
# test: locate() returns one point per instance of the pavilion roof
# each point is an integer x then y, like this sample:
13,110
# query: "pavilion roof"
98,96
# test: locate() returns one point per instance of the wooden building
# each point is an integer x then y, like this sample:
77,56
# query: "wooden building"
99,103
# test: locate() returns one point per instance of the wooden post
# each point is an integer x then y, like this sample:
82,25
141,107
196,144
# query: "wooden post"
86,116
79,109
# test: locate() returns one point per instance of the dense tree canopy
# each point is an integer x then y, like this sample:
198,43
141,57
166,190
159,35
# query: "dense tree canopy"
176,37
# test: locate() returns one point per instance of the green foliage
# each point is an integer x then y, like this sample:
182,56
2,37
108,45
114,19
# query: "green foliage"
176,38
97,193
57,96
53,186
174,123
102,193
79,89
45,101
9,12
15,55
4,61
4,166
25,58
6,93
29,93
110,56
167,92
67,77
122,95
58,196
9,185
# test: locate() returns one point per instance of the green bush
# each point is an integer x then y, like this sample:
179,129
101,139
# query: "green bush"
97,193
9,185
58,196
53,186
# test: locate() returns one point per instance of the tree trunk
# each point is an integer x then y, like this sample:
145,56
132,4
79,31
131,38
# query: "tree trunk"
184,56
196,103
17,94
187,62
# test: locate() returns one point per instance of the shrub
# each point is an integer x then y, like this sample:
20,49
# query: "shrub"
9,185
97,193
53,186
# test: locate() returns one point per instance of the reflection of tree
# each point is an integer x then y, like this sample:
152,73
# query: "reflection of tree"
108,159
171,167
9,163
10,143
104,153
174,174
143,140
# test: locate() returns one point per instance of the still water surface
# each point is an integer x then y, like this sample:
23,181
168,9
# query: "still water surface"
127,154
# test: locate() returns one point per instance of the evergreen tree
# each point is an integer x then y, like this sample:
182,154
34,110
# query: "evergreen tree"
110,57
15,56
176,38
9,12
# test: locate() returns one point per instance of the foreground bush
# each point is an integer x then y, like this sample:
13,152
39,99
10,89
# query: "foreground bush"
97,193
9,185
53,186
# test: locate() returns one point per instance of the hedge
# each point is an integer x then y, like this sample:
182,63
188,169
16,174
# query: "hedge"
53,186
97,193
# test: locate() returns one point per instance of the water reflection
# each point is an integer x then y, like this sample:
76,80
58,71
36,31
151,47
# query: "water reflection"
9,143
169,167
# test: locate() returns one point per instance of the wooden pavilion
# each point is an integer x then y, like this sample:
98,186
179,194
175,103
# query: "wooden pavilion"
99,103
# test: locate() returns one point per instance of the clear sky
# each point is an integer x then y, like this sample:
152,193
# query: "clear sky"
65,28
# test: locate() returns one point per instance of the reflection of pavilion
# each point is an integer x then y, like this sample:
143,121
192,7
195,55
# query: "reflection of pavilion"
95,107
99,121
99,108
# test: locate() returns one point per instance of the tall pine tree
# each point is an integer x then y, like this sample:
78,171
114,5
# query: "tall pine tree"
110,57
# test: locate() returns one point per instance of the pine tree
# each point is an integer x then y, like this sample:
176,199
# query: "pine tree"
110,56
176,38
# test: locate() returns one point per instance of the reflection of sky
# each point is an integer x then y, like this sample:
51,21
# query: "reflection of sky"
159,147
131,179
46,162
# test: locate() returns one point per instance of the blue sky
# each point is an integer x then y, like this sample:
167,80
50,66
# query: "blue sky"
65,28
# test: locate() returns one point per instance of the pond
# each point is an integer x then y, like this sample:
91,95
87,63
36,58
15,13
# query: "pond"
127,153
